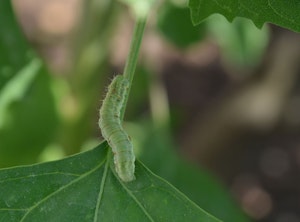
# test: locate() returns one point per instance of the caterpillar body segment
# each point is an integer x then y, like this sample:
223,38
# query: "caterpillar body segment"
112,130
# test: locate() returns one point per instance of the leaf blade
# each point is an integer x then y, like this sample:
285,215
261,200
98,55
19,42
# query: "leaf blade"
85,187
259,11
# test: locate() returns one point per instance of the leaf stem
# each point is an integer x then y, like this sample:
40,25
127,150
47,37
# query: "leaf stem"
133,54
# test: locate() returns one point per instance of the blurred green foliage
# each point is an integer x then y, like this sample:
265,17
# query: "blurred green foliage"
180,31
14,50
28,115
241,42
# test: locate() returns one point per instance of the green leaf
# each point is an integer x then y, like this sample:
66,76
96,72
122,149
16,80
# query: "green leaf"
14,49
85,187
180,31
282,13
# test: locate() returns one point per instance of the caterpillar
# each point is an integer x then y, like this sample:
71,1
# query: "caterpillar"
112,130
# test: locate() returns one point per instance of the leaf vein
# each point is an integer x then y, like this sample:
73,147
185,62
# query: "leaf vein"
13,209
61,189
281,15
134,198
37,175
101,191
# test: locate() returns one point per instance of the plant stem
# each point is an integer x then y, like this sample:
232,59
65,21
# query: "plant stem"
133,55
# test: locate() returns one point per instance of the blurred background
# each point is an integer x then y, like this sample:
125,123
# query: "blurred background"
214,109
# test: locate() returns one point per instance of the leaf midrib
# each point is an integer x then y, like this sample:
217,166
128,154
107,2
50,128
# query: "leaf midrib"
101,191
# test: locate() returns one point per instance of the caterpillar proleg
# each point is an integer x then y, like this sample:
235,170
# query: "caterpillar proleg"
112,130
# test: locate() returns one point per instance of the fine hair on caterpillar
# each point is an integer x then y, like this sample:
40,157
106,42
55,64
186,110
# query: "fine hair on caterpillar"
111,126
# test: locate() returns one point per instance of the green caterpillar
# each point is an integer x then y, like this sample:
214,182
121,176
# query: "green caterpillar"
112,130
